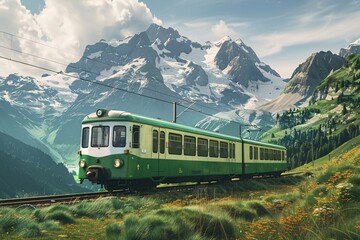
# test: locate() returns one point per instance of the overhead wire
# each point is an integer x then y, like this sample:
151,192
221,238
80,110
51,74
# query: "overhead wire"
116,88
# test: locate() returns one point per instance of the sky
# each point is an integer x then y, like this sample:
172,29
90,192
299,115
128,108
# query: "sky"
282,33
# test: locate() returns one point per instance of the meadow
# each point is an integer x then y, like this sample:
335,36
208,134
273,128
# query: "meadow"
322,203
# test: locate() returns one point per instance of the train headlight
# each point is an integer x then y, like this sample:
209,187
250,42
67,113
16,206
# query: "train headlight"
100,112
82,163
118,163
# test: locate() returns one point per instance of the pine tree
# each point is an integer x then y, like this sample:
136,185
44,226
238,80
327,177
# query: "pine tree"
344,111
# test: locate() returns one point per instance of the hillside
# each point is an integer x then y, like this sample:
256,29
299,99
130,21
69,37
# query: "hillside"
25,171
332,118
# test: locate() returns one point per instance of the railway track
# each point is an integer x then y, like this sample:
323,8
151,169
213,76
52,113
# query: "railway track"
51,199
74,198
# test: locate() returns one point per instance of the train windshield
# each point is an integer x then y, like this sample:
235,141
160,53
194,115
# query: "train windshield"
100,136
85,138
119,136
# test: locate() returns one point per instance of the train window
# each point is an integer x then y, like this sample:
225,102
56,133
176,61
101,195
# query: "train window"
283,155
266,154
155,141
189,146
119,136
175,144
233,150
270,154
251,152
202,147
100,136
162,142
224,152
262,154
214,148
256,153
85,137
136,136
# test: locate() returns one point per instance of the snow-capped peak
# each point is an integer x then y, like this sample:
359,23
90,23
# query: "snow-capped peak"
240,42
221,41
357,42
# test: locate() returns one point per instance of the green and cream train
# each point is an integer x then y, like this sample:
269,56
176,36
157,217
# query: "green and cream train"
122,150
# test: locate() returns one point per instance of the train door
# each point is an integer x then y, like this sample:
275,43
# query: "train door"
158,150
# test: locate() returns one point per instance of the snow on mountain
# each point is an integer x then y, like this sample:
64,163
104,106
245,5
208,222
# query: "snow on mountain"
42,96
353,48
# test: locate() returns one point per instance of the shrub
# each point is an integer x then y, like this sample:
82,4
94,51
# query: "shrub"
246,214
182,223
9,223
25,227
62,208
259,208
113,231
326,175
319,191
99,208
39,215
50,225
30,229
62,217
232,210
355,180
354,193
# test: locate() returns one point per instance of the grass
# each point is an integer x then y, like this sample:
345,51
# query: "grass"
324,206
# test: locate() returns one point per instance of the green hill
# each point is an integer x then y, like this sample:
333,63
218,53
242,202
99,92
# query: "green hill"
25,170
331,119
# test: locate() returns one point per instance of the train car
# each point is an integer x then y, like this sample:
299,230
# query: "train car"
123,150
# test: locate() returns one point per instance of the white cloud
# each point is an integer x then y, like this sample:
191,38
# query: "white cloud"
65,28
334,28
221,29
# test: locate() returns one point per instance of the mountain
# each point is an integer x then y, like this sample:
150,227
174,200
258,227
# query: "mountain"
305,78
331,119
340,82
353,48
25,170
31,105
142,74
226,72
161,63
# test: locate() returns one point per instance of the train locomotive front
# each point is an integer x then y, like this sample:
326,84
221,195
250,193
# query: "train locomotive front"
104,149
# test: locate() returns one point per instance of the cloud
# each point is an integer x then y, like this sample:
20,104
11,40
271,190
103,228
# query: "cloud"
65,27
221,29
310,30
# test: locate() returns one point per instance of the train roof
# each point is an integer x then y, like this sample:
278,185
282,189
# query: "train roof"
103,115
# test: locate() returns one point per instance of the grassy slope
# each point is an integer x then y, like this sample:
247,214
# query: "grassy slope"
329,108
295,207
338,152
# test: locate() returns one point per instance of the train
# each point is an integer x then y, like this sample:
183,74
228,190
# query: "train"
122,150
